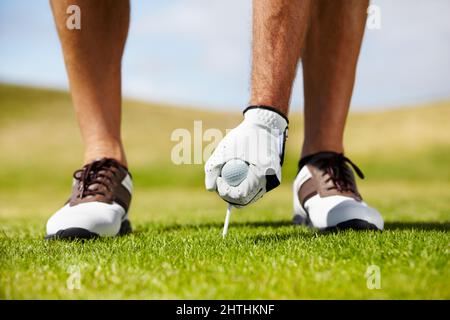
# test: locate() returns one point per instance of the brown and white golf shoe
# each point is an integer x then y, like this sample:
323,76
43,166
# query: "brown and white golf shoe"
326,196
98,206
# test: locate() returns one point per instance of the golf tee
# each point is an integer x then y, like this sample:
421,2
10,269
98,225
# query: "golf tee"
227,221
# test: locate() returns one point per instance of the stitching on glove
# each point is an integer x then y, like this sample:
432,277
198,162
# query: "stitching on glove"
245,204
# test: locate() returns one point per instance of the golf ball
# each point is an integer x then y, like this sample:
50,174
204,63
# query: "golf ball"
234,172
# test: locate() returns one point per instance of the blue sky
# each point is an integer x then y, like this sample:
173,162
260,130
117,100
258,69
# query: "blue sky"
197,52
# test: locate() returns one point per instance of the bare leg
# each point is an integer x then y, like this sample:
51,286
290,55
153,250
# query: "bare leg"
93,60
279,28
329,64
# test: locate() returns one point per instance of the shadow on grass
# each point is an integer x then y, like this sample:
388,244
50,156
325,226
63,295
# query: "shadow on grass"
219,225
279,224
271,231
422,226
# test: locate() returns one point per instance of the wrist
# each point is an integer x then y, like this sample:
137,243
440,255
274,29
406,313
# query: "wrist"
267,116
270,108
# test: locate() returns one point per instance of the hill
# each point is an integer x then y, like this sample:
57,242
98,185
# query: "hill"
177,252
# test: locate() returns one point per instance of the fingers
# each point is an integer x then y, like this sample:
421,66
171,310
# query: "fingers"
212,172
212,169
245,192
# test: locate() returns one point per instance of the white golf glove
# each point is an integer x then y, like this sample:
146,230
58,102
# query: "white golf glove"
259,141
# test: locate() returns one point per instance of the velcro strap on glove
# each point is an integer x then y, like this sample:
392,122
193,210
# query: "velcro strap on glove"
272,119
277,123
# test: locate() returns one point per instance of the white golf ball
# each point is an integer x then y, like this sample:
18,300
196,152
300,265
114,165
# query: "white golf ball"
234,172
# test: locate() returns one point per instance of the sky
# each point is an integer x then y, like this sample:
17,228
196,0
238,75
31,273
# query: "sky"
197,52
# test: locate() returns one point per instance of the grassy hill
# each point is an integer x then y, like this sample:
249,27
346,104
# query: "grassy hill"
177,252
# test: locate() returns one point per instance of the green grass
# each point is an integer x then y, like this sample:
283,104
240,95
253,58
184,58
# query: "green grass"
177,251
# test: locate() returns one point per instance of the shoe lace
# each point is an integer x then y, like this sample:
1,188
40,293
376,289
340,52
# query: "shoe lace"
95,173
338,172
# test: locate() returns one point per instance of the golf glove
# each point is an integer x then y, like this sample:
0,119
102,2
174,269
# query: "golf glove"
259,141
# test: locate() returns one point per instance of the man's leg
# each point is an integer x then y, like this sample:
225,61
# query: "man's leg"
327,34
101,192
330,56
93,60
325,191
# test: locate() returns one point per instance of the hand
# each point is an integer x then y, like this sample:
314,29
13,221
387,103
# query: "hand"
259,140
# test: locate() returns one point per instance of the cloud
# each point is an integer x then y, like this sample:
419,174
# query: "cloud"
219,29
407,60
198,52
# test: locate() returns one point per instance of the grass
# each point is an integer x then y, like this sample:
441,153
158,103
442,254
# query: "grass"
176,250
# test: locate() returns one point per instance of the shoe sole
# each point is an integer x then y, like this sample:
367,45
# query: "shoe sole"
84,234
353,224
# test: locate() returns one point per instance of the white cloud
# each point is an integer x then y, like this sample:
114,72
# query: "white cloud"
220,28
198,51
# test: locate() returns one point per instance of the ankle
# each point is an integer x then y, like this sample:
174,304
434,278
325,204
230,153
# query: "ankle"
309,149
106,150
